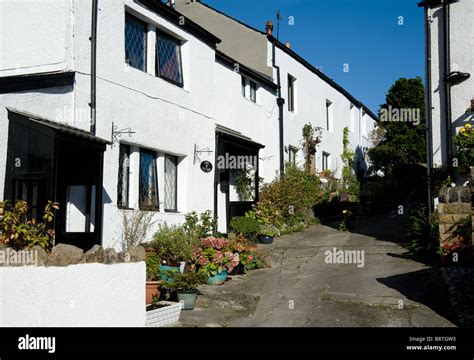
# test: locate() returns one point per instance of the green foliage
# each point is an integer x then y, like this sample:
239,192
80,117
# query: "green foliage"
465,145
311,140
402,142
18,231
347,216
422,229
284,203
246,226
269,230
244,182
152,262
198,227
251,261
349,179
172,244
184,282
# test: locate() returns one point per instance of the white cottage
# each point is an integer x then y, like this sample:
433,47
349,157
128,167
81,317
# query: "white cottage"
129,104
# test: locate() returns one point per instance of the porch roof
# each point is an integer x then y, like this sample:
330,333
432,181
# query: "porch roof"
237,138
61,127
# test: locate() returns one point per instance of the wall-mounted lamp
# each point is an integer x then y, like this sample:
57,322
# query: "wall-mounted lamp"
457,77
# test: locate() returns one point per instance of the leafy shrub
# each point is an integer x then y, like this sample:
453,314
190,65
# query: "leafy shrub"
152,262
198,227
465,145
269,230
18,231
423,229
172,244
284,203
246,226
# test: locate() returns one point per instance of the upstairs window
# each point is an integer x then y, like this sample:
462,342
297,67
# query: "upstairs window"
329,120
249,89
291,93
135,42
326,161
148,187
168,59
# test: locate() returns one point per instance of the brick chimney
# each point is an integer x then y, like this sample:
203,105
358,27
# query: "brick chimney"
269,28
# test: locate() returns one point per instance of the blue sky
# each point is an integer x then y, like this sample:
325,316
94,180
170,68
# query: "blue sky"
362,33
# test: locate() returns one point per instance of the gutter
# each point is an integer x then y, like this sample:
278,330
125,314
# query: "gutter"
429,107
280,103
447,86
93,39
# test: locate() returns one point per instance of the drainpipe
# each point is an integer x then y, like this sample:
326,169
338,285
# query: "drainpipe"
280,103
428,115
447,86
93,40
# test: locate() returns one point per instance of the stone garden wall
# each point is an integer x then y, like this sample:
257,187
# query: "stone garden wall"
454,205
68,287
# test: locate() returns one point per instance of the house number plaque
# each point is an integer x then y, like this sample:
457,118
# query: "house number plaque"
206,166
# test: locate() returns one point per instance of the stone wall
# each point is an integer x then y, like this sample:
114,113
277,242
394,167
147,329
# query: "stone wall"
454,205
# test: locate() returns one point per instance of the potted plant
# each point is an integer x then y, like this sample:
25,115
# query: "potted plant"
267,234
152,262
215,259
185,285
161,313
173,246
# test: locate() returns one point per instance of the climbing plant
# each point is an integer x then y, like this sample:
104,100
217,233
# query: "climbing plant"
349,179
311,140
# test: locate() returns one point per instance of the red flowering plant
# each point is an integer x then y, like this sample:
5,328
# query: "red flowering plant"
451,247
215,255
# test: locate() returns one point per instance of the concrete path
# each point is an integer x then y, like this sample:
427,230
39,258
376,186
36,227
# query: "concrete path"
302,289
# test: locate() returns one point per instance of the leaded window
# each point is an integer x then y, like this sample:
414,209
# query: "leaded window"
168,59
135,42
123,176
171,183
148,187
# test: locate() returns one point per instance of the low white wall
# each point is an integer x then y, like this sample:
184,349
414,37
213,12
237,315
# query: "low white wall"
83,295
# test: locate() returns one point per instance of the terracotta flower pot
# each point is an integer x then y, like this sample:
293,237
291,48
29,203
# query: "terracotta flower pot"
152,289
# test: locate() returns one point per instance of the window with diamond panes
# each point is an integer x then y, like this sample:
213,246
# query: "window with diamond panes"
171,183
168,59
148,187
123,176
135,42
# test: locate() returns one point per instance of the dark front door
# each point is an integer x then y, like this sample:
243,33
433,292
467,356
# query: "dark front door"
45,163
79,190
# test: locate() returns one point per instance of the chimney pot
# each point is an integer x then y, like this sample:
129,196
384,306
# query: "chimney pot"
288,45
269,28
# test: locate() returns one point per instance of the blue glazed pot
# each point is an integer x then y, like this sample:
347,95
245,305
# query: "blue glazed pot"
218,279
188,298
168,268
265,239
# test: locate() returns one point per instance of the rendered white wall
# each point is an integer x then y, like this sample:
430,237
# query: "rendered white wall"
310,97
85,295
462,53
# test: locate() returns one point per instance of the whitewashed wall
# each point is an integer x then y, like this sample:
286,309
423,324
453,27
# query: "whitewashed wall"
311,94
462,53
85,295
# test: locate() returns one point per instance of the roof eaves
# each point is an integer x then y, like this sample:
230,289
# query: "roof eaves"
176,17
246,70
324,77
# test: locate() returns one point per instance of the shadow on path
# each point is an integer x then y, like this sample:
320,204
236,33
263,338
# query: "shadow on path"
424,286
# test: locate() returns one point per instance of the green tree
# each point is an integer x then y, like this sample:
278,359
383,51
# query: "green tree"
401,131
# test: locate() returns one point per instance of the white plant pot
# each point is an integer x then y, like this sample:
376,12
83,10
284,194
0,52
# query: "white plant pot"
164,316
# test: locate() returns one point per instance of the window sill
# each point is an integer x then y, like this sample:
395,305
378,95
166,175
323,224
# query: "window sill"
169,81
124,208
172,211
